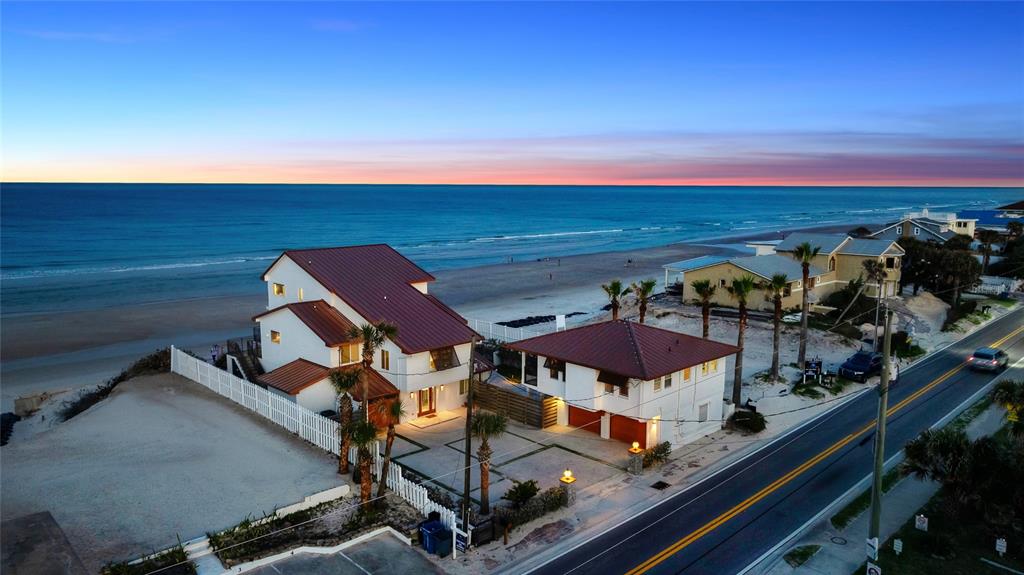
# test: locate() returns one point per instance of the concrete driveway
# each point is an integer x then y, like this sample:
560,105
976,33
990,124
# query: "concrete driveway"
382,554
161,457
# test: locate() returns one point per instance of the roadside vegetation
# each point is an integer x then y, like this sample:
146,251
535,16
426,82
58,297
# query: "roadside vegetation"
800,555
156,362
174,561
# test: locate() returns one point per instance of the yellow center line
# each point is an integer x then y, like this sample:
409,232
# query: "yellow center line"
797,471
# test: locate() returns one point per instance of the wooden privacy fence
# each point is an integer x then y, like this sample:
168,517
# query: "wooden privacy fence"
532,408
310,426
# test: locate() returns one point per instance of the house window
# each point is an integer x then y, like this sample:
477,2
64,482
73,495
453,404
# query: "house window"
810,283
609,388
899,230
301,294
686,374
556,368
463,386
832,264
349,353
624,390
668,381
709,367
917,231
275,336
279,289
721,282
443,358
787,291
890,263
657,383
385,359
702,412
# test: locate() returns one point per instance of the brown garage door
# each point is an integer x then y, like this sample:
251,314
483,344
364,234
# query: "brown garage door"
628,430
585,419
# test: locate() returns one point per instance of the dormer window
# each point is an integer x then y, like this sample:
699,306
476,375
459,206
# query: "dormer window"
443,358
279,290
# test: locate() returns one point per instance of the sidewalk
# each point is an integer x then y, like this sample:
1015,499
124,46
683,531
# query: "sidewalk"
843,551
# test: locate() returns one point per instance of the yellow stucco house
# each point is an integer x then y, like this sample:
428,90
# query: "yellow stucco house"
839,260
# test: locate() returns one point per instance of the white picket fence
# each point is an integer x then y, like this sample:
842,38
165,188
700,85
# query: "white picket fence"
308,425
504,333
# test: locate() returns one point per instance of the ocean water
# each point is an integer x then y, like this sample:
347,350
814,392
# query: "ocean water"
83,246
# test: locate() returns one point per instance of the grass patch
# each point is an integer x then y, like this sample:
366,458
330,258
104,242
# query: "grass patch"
162,562
951,546
860,504
825,323
1007,303
800,555
156,362
910,352
808,390
971,413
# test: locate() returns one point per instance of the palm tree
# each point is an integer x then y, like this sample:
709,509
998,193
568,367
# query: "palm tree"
740,289
614,290
1010,394
393,411
486,426
705,291
643,292
805,253
987,237
776,288
1014,230
373,336
363,435
875,272
343,382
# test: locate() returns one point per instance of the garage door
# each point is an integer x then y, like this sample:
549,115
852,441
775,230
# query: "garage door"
585,419
628,430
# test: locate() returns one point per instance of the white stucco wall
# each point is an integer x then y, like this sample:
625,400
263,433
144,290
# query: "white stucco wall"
318,397
297,340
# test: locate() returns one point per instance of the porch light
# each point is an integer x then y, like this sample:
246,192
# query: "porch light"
635,448
412,395
442,388
567,477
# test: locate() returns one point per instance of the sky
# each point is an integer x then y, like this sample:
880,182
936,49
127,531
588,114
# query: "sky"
546,93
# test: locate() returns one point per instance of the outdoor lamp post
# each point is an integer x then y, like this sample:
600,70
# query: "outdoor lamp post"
636,459
568,482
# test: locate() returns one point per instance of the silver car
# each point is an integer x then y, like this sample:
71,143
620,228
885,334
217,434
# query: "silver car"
988,359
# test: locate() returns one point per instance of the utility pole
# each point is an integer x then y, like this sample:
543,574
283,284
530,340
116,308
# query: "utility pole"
468,461
883,401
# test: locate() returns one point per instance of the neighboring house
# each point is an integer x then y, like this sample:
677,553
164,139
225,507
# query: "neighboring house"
927,227
315,298
629,381
998,218
1014,208
839,260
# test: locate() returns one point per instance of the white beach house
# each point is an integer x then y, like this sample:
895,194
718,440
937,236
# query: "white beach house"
630,381
316,296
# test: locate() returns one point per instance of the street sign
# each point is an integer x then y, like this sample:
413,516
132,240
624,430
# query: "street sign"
874,569
1000,546
873,548
921,522
897,546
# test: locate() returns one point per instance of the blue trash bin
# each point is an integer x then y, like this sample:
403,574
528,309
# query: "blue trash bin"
428,531
442,542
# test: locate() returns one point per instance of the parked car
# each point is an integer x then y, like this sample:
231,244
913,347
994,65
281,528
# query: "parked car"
988,359
791,318
861,365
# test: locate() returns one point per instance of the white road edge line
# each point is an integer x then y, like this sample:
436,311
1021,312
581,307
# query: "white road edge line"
922,361
866,481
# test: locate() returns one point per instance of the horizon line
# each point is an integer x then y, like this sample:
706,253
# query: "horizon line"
559,185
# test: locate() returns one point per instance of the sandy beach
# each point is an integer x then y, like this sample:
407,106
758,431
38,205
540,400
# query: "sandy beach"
69,350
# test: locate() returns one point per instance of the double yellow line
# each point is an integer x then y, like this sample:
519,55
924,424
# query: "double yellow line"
797,471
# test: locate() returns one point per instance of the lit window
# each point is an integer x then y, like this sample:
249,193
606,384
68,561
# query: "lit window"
300,294
714,365
657,383
686,374
609,388
385,359
702,412
350,353
279,289
668,381
463,386
275,336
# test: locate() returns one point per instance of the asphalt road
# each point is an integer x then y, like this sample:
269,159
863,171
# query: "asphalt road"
723,524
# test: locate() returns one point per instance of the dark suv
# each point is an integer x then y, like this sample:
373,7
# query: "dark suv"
861,365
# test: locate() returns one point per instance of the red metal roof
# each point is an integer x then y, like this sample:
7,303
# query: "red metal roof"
377,282
295,376
626,348
325,321
379,387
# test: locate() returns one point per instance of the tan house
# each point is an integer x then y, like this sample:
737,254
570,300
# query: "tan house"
839,260
927,227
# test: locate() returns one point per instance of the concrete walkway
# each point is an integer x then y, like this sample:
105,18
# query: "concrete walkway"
843,551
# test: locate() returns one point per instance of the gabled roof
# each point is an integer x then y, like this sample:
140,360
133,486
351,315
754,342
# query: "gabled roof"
626,348
827,242
871,247
379,387
770,264
1014,207
376,281
325,321
295,376
931,227
695,263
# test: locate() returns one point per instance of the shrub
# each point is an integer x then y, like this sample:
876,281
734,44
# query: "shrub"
657,454
156,362
521,492
548,501
174,561
955,314
747,421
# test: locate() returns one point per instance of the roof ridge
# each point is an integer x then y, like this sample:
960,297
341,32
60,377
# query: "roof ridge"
636,349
